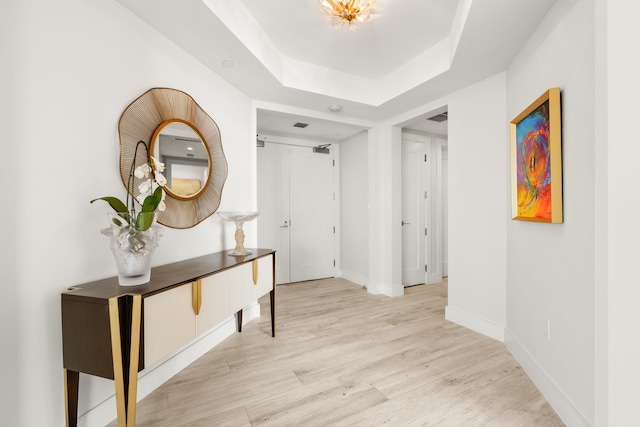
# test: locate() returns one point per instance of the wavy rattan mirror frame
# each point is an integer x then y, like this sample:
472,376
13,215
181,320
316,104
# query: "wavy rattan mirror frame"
139,122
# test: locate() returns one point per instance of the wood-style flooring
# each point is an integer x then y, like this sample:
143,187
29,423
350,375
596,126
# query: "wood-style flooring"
344,357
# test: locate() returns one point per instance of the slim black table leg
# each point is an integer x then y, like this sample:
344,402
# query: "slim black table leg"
272,297
239,320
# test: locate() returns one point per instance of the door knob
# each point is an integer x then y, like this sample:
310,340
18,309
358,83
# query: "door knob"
285,225
405,223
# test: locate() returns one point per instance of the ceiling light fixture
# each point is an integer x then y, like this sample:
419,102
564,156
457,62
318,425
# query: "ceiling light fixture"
348,11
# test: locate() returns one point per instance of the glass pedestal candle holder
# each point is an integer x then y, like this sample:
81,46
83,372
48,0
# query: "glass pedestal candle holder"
239,218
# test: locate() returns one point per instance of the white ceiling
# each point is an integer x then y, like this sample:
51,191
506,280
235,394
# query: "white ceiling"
286,54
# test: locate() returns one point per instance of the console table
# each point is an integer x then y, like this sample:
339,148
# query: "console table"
114,332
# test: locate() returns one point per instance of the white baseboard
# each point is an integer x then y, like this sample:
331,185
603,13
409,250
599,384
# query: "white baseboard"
563,406
433,278
154,376
475,323
357,278
390,291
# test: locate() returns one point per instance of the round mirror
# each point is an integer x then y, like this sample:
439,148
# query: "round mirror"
186,158
194,183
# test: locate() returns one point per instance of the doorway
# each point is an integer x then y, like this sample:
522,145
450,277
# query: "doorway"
296,201
413,213
424,209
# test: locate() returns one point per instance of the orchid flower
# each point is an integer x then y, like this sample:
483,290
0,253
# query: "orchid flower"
145,187
151,194
142,171
158,164
160,179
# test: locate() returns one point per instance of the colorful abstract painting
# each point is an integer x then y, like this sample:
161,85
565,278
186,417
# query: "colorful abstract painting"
536,162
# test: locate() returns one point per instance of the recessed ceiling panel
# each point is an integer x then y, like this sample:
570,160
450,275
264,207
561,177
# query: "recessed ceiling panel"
404,29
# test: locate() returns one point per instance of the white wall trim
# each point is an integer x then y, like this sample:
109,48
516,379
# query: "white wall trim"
153,377
392,290
563,406
357,278
475,323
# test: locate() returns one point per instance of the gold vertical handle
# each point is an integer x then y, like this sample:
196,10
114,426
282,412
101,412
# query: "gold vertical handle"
196,296
255,271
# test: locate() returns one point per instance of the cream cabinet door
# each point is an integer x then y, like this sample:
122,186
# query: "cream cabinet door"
169,322
240,287
214,306
243,290
265,276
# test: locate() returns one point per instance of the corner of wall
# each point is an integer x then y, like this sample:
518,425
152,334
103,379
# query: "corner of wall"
475,323
564,407
356,278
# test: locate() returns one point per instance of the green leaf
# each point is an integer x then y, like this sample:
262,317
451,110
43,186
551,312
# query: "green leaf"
150,204
144,221
115,203
119,207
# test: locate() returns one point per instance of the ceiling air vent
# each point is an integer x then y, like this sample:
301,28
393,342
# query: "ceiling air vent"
300,125
439,117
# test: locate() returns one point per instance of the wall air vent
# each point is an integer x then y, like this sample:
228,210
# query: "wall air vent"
439,117
300,125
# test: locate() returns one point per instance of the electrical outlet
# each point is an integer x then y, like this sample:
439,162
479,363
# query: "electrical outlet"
547,329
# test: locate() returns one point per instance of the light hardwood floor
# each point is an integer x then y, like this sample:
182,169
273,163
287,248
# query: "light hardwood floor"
343,357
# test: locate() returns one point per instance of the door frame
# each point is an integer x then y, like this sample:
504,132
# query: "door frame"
335,149
433,214
415,276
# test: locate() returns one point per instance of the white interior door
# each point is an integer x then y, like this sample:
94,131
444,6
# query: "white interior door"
312,227
295,198
413,195
273,204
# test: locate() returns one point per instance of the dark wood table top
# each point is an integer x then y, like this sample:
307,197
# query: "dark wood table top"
164,277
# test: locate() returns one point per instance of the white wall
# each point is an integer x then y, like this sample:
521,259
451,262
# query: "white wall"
73,67
9,175
478,190
551,267
354,216
618,207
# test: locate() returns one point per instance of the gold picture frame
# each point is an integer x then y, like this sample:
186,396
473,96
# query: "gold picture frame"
536,161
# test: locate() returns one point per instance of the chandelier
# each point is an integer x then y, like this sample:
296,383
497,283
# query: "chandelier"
348,11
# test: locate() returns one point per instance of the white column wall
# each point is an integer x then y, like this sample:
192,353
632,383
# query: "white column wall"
621,104
385,208
9,175
478,191
551,266
354,215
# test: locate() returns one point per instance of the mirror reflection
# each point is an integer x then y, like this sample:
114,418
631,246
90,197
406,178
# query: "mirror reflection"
181,148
